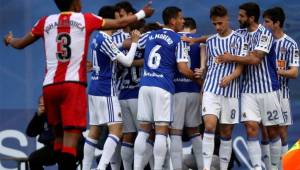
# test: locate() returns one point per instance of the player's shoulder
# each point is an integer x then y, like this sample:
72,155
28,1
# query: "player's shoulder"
212,37
242,31
290,39
238,35
263,30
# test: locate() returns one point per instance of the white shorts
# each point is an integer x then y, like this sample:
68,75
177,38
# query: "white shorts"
225,108
187,110
103,110
155,105
129,113
263,107
286,111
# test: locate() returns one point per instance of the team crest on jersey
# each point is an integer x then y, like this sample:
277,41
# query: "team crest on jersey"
264,40
245,46
233,45
296,53
283,50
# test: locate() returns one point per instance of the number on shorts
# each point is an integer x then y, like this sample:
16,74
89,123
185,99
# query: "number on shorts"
272,115
96,67
63,41
232,115
154,57
285,116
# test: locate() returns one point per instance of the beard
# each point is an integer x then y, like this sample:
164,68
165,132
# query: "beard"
244,24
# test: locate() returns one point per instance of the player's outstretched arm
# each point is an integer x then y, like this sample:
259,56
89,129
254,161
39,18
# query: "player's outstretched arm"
235,74
147,11
291,73
19,43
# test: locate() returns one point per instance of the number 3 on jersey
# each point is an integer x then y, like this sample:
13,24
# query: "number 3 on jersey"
63,41
154,57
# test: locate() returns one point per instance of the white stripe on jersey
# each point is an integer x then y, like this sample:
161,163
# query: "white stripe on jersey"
215,46
109,48
143,39
260,78
77,49
287,55
119,36
51,59
182,52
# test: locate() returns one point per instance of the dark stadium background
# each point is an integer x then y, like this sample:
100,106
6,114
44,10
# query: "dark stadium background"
21,72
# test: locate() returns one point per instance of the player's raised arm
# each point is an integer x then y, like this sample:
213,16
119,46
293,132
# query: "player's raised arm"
147,11
19,43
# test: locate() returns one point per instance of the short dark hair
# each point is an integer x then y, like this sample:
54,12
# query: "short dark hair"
126,6
218,11
170,13
189,22
63,5
252,9
275,14
107,12
151,26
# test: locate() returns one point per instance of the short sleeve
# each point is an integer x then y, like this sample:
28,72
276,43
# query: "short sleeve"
109,48
182,52
38,28
265,42
93,22
142,40
293,55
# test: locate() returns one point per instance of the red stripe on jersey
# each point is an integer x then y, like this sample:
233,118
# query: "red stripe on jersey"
38,28
63,31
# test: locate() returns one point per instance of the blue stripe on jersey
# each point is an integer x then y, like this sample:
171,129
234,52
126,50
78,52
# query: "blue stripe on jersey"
103,80
261,78
183,84
119,36
162,49
215,46
287,55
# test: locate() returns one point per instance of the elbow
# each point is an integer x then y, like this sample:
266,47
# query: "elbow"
295,75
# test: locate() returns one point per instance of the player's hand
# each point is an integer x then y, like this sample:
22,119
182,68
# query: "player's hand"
199,73
187,39
8,38
89,66
41,110
280,72
148,9
225,58
225,81
135,35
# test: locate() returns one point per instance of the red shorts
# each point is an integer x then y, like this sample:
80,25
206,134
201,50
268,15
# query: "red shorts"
66,105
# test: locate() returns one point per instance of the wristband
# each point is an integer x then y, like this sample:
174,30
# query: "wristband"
140,15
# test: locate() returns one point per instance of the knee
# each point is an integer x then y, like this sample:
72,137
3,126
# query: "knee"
252,130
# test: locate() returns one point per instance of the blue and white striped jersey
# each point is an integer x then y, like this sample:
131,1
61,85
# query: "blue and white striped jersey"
234,44
119,36
103,80
261,78
287,54
183,84
163,49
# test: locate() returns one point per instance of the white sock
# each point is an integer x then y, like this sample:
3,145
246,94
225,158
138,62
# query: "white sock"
275,151
159,151
197,148
88,153
108,151
208,145
284,149
148,156
127,155
254,152
140,146
225,153
166,164
265,152
176,151
116,160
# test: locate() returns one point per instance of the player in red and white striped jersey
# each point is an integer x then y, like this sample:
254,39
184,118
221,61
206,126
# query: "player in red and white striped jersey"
66,36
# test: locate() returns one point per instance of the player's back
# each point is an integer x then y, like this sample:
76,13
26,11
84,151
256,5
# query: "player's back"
160,59
66,37
183,84
103,79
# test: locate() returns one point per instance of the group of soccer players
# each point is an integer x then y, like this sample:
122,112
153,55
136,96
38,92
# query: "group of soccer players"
148,81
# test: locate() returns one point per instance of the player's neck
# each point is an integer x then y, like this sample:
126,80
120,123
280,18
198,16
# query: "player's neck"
109,32
253,27
227,32
278,33
169,27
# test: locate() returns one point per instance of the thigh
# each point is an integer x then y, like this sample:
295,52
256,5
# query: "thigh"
52,101
128,120
145,109
180,101
163,103
211,104
193,110
270,109
250,110
74,106
43,156
230,110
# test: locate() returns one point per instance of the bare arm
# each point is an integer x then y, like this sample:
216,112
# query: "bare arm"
147,11
252,58
138,62
19,43
187,72
201,39
235,74
291,73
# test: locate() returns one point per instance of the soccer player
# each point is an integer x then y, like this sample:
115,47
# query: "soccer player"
287,55
66,37
187,104
164,51
221,87
260,86
104,106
